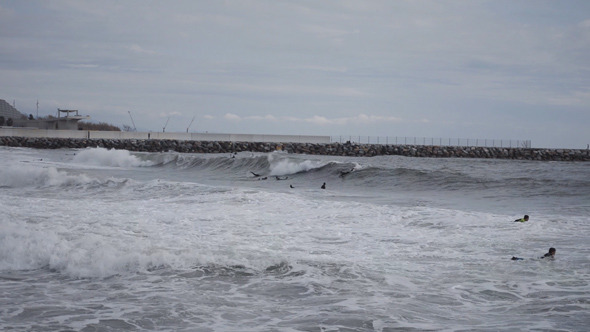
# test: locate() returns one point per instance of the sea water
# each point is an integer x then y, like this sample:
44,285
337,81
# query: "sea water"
112,240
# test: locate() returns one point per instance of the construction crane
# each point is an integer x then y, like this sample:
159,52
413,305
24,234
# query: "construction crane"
189,125
134,128
164,129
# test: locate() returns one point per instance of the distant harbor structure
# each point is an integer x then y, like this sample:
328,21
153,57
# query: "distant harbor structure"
20,130
65,120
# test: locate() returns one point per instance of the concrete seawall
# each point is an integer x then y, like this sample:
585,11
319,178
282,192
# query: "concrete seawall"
137,135
333,149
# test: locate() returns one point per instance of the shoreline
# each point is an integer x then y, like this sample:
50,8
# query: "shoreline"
331,149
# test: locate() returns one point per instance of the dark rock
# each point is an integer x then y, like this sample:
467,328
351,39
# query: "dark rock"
335,149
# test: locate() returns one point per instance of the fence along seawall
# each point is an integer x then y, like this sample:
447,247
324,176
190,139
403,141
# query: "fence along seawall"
330,148
434,141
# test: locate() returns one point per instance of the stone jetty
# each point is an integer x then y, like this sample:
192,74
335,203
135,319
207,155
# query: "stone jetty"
332,149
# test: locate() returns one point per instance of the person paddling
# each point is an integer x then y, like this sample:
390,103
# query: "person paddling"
526,218
548,255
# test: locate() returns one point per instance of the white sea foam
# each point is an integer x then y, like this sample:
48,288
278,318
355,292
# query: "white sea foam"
281,164
251,256
109,157
286,166
27,175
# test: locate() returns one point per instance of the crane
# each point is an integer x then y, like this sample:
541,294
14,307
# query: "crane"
134,128
189,125
164,129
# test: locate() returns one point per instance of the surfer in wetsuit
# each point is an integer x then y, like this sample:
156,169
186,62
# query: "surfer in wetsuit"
549,255
343,173
258,176
526,218
323,186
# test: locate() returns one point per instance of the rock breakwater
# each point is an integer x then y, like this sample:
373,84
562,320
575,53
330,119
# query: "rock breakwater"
334,149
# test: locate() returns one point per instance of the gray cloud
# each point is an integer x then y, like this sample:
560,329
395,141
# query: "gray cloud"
500,69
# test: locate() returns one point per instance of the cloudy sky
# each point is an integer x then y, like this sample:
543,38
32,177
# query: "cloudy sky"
499,69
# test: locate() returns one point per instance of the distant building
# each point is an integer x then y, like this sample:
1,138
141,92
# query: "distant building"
65,120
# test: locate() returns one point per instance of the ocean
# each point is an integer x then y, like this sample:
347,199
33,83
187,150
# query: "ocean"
111,240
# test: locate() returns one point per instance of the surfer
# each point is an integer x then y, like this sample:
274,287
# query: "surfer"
343,173
526,218
291,186
324,186
548,255
255,175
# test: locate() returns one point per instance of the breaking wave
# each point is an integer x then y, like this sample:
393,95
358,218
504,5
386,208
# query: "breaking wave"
25,176
110,157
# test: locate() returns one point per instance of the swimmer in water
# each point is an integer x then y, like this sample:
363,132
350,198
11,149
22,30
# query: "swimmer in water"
526,218
548,255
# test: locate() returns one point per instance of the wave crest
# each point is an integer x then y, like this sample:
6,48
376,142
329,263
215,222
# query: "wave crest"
110,157
24,176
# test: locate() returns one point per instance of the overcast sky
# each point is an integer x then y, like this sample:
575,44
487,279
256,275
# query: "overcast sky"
452,69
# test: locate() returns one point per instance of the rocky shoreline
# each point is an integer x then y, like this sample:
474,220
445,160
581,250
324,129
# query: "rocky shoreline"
333,149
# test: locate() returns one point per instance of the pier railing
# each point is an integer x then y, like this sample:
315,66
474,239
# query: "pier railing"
432,141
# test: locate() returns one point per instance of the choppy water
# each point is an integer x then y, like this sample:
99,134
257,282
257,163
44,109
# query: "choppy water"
105,240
